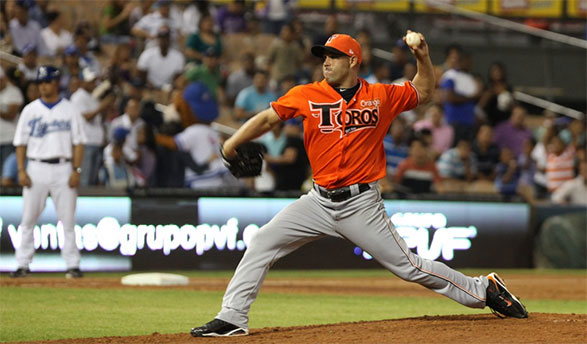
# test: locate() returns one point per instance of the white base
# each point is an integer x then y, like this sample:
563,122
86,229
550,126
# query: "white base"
155,278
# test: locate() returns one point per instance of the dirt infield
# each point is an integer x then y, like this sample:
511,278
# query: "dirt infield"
485,328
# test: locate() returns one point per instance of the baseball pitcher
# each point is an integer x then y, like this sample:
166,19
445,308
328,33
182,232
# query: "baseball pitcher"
345,120
49,135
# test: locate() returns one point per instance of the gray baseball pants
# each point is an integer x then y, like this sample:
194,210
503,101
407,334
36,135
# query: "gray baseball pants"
362,220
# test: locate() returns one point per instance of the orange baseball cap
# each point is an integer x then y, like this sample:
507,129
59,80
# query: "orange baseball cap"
339,44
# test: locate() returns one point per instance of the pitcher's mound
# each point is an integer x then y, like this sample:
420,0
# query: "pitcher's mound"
480,328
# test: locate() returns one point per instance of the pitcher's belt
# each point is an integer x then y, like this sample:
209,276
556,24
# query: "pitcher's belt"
342,194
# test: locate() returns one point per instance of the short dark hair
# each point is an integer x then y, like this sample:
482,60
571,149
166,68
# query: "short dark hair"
52,16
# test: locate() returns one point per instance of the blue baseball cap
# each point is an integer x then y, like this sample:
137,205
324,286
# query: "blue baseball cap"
48,73
201,101
119,134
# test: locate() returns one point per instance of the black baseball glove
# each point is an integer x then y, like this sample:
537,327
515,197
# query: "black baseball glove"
248,160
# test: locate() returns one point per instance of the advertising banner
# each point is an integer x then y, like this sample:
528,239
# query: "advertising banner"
528,8
577,8
97,229
471,5
114,233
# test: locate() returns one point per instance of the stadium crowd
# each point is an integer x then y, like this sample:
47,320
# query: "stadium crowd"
161,83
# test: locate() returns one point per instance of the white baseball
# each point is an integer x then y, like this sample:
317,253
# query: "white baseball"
413,39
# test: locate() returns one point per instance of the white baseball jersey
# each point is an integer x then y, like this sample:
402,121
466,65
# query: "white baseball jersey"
202,142
49,130
161,69
94,129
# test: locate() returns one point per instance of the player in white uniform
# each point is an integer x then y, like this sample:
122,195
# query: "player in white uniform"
49,134
199,142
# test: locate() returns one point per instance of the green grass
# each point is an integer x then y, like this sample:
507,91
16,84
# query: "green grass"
52,313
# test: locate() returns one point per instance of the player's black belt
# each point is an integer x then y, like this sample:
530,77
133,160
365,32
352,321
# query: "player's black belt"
342,194
52,161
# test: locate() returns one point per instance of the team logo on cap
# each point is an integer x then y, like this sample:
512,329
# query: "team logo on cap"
331,38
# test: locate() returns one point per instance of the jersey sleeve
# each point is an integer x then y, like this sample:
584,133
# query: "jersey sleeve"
78,135
288,106
22,133
143,62
401,98
184,140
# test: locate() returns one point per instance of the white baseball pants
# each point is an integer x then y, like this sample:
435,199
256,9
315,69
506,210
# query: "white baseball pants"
48,179
362,220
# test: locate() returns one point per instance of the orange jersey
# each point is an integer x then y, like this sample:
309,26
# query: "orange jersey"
344,141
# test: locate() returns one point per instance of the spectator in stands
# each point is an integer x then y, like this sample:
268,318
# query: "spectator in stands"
441,132
527,167
380,74
330,27
396,145
487,153
254,98
70,68
199,143
133,148
513,133
144,8
192,15
507,173
497,99
28,65
93,112
231,18
575,133
55,37
148,26
540,156
38,11
458,163
274,15
559,163
573,191
460,94
87,59
364,37
203,40
115,24
118,173
290,165
121,64
208,73
159,65
31,93
240,78
401,56
418,173
25,31
285,84
285,56
11,101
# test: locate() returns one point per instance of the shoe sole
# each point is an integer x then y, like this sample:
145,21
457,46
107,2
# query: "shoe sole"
495,278
229,334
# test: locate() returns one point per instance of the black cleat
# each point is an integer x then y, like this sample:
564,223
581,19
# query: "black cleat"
74,273
218,328
20,272
501,301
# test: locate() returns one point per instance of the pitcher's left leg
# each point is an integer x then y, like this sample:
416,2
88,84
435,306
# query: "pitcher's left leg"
368,226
